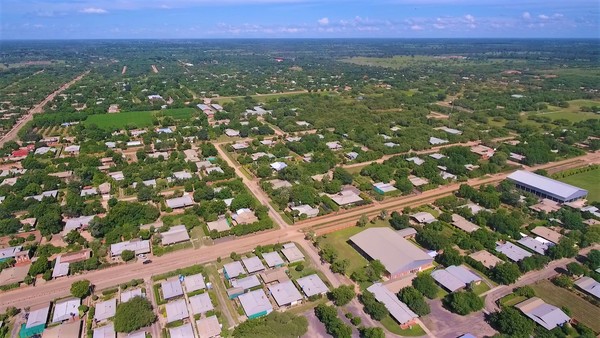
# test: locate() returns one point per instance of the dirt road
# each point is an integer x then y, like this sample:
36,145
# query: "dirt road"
38,108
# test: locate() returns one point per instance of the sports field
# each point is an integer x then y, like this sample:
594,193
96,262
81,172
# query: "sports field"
587,180
135,119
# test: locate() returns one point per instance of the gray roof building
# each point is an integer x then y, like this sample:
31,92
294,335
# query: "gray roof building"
180,202
176,234
183,331
546,187
65,309
292,253
398,310
455,277
129,294
273,259
513,252
245,283
253,264
589,285
106,331
105,310
533,244
233,269
194,283
171,288
312,285
201,303
255,303
38,317
285,293
176,310
137,246
548,316
208,327
397,254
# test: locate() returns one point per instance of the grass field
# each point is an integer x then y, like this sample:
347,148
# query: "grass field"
582,310
339,241
587,180
390,324
138,119
573,112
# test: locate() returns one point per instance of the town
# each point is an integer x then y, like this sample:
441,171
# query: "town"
214,195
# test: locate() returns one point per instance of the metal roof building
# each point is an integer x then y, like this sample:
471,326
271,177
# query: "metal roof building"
589,285
194,283
127,295
255,304
38,317
533,245
208,327
285,293
513,252
253,264
176,234
106,331
398,255
66,309
398,310
548,316
105,310
139,247
233,269
273,259
246,282
312,285
201,303
176,310
292,253
546,187
171,288
180,202
183,331
454,277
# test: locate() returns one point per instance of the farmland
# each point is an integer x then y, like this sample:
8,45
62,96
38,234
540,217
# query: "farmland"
572,113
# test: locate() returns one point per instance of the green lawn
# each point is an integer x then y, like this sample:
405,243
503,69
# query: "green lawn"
138,119
511,300
582,310
573,112
339,240
587,180
390,324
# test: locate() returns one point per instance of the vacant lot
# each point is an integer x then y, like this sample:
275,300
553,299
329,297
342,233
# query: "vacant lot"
573,112
179,113
339,241
587,180
582,310
136,119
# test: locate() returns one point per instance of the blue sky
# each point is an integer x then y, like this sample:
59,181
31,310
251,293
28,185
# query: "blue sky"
82,19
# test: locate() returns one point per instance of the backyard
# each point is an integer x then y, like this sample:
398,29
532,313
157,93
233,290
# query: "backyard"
582,310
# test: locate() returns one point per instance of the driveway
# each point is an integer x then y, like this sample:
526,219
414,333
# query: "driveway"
316,329
444,324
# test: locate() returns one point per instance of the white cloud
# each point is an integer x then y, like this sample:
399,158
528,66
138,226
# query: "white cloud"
526,15
543,17
416,28
323,21
93,10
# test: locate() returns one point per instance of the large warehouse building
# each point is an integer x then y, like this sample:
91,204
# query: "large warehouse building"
398,255
546,187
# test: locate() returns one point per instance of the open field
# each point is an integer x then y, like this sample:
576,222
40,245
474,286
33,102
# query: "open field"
403,61
587,180
137,119
582,310
339,241
573,112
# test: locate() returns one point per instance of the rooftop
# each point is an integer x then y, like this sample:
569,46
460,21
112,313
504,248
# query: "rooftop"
553,188
397,309
546,315
273,259
176,310
253,264
208,327
183,331
312,285
201,303
255,303
513,252
171,288
397,254
194,282
285,293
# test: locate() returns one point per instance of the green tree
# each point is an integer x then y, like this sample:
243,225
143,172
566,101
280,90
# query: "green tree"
133,315
414,300
576,269
40,266
463,303
510,322
371,332
127,255
340,266
449,257
506,273
342,295
81,288
426,285
363,220
372,307
593,259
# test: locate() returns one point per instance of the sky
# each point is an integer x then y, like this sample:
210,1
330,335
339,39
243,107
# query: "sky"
202,19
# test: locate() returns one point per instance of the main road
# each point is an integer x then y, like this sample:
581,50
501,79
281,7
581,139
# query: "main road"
38,108
45,292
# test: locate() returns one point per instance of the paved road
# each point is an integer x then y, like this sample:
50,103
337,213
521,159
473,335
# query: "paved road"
12,134
445,324
531,277
43,293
